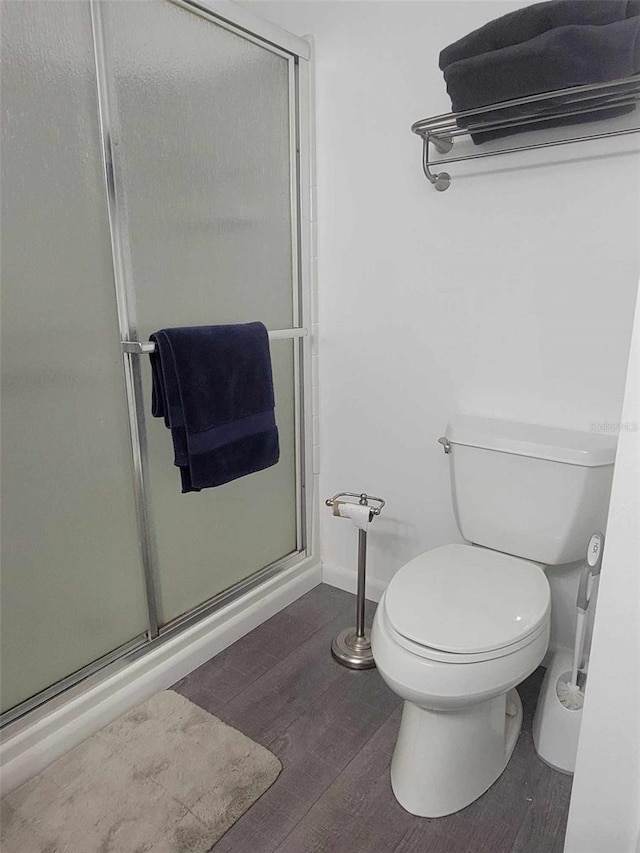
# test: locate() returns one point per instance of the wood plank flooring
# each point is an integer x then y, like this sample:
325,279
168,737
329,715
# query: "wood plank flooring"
334,731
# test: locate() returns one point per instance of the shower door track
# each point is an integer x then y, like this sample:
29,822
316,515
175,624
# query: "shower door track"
297,52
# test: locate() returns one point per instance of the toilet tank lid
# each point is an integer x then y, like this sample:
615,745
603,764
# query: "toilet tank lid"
574,447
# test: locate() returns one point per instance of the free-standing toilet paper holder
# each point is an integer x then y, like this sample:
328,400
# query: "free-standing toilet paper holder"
352,647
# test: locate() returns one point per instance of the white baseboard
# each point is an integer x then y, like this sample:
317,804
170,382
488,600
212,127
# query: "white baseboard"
32,743
347,579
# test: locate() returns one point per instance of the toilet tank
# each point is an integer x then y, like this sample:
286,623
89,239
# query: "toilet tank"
532,491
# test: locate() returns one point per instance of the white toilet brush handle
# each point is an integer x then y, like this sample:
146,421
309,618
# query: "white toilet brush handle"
585,587
579,647
582,603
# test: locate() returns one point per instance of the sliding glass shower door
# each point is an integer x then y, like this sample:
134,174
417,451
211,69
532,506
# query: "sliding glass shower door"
149,180
72,585
203,171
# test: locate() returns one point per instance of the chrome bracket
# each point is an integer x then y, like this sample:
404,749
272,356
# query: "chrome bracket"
442,144
138,347
444,441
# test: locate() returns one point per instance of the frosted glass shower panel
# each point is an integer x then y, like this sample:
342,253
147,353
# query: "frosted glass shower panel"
203,170
202,119
72,583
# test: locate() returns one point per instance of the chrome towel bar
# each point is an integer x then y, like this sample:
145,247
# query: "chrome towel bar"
146,347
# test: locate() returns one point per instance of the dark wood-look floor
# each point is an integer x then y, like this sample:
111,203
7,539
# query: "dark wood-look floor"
334,731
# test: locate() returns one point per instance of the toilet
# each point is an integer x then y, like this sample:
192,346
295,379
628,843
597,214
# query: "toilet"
461,625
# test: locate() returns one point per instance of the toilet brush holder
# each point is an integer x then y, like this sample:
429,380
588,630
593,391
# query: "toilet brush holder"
555,727
352,646
556,723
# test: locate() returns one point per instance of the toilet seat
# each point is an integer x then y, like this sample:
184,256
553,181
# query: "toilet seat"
460,603
455,658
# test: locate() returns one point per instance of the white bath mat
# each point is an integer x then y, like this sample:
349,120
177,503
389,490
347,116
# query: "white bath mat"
167,777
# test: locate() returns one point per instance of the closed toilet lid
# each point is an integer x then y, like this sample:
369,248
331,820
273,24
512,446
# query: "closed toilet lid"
463,599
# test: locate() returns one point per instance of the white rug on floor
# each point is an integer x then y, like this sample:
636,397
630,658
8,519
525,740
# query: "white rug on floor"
167,777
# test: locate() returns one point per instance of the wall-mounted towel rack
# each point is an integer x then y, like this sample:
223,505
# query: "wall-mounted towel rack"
146,347
439,132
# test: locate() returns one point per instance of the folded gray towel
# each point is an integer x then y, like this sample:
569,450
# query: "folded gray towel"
525,24
557,59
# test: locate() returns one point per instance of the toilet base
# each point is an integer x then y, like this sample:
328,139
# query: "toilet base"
444,760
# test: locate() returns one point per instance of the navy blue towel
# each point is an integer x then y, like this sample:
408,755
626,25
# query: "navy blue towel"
214,388
524,24
556,59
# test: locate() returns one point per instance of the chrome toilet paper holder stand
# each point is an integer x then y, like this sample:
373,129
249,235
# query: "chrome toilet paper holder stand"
352,646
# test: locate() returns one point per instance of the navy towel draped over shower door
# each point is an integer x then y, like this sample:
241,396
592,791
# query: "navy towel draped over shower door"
213,386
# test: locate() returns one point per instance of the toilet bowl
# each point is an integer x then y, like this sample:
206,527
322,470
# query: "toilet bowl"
456,630
460,626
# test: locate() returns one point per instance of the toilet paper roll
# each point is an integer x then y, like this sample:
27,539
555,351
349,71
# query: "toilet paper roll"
357,513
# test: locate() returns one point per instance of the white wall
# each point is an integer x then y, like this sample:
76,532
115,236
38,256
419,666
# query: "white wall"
511,294
605,801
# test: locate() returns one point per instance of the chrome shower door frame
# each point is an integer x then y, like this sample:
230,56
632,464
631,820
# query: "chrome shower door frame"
297,53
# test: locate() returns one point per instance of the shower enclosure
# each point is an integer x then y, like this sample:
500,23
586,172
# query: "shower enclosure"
154,170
